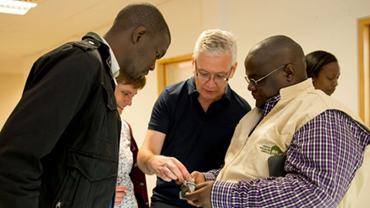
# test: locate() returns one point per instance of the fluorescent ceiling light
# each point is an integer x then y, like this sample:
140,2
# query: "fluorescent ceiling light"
15,7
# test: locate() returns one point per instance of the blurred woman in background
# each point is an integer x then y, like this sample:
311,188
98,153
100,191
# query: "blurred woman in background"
323,68
131,191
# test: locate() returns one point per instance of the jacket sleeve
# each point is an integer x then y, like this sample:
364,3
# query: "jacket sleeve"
56,89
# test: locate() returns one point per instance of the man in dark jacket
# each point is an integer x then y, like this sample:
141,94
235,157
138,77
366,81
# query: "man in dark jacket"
59,147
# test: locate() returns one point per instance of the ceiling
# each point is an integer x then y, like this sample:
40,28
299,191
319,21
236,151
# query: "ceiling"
53,22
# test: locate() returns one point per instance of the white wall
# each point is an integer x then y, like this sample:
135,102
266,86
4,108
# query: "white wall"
327,25
316,24
11,87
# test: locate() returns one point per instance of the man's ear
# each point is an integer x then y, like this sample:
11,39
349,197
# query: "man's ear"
138,34
290,72
234,69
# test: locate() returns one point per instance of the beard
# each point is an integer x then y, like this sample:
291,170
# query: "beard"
129,70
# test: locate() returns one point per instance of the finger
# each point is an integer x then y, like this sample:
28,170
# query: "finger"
118,199
160,167
192,199
192,196
165,178
196,194
196,204
163,173
179,181
122,188
200,185
192,203
198,177
174,166
183,172
169,173
194,174
121,194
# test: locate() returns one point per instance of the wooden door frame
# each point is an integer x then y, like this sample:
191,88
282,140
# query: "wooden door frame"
162,69
363,33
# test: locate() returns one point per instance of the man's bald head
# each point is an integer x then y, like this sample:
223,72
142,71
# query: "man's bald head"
272,64
279,50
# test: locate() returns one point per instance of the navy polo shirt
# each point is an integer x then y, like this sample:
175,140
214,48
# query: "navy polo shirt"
198,139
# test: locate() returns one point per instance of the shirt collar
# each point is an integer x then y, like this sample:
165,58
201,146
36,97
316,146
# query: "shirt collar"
269,105
286,93
193,90
294,90
114,63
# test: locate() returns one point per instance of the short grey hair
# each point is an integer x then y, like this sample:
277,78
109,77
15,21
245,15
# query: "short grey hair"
216,42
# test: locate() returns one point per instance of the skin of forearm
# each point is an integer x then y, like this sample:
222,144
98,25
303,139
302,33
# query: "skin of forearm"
144,160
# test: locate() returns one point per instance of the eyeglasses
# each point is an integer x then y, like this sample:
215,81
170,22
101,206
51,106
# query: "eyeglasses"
255,82
206,76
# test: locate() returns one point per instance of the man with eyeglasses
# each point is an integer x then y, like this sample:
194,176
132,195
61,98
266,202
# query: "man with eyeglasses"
297,148
193,121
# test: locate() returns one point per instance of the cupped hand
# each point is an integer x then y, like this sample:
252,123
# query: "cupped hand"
201,196
197,177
